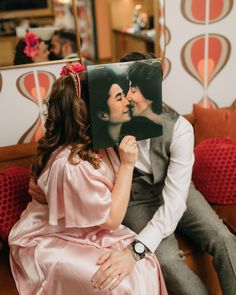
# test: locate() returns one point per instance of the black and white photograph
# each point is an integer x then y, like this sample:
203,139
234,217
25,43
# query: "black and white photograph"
125,99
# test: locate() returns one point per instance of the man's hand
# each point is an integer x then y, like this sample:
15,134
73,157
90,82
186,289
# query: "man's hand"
115,266
36,192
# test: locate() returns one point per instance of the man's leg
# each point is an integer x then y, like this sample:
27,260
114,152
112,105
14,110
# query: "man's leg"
180,280
202,224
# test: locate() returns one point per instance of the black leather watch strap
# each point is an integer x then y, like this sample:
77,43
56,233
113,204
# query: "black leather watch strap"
139,249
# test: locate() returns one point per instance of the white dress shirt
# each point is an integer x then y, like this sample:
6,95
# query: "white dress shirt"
176,186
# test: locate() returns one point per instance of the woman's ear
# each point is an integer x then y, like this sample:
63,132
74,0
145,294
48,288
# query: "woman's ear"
103,116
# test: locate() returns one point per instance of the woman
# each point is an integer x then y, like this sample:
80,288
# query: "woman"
109,106
55,248
31,49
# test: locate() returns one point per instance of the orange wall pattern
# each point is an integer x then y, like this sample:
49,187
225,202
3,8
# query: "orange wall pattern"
199,53
23,91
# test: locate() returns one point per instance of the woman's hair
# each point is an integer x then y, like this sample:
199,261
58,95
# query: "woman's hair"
102,80
67,124
20,57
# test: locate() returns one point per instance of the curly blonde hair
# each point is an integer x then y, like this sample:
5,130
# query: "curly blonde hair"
67,124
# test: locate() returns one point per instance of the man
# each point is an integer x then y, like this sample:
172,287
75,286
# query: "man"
145,89
144,94
64,46
162,201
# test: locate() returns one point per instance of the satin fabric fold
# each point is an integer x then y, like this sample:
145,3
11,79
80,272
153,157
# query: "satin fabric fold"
54,248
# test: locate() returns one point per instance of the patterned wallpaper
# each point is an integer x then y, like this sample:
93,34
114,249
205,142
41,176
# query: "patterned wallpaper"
23,92
35,86
197,41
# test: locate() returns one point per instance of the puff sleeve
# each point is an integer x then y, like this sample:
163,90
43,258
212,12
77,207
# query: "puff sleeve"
78,193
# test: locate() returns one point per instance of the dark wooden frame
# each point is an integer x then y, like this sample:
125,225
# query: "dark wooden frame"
28,13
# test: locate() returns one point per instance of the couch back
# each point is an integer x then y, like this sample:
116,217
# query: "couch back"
191,118
17,155
22,154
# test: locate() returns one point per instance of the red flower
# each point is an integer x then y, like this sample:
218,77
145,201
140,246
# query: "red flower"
32,42
72,68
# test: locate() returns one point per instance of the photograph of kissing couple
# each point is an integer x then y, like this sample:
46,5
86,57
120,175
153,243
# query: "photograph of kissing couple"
125,99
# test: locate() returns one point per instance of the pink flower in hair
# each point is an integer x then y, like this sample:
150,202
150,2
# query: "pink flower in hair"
78,67
72,68
32,42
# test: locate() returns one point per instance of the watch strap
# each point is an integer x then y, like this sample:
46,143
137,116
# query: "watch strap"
134,254
138,255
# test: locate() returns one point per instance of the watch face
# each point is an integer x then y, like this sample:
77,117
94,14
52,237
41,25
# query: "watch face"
139,248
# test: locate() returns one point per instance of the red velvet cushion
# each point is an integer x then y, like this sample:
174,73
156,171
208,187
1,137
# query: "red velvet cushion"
213,123
14,197
214,170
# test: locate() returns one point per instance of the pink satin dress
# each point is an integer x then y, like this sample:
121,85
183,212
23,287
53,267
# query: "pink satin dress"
54,248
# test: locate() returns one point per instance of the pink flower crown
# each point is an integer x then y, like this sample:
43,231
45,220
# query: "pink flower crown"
32,42
73,70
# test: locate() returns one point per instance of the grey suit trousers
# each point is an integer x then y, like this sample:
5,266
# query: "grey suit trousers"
201,224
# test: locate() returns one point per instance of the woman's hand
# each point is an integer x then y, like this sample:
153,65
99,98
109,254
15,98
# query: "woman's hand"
114,267
128,151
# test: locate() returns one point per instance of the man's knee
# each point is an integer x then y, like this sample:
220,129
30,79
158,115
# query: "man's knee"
171,261
221,239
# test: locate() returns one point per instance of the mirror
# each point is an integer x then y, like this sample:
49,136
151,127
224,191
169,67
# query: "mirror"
43,18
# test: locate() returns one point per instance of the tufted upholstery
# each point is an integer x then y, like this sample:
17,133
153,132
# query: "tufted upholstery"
14,197
214,170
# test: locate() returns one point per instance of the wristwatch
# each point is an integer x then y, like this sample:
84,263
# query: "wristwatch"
138,249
